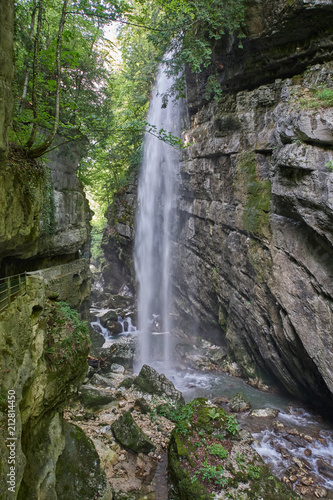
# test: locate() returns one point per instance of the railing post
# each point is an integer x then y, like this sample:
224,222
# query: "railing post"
8,290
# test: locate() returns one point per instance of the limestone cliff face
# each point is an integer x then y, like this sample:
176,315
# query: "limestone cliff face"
253,255
253,243
254,248
44,213
118,240
43,361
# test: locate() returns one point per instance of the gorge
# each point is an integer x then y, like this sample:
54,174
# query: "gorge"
248,273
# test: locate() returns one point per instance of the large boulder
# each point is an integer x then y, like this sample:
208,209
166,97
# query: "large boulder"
121,352
129,435
94,398
78,472
150,381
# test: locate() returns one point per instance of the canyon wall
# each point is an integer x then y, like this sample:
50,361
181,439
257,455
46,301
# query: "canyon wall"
252,239
253,252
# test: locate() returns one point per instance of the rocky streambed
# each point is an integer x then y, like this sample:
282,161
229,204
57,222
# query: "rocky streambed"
134,420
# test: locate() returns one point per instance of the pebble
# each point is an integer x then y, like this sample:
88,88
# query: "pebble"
307,452
321,492
307,480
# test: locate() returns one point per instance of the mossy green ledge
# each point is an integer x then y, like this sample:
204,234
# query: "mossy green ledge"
210,455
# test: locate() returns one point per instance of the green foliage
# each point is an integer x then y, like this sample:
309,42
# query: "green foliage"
170,410
329,165
67,335
213,413
84,71
241,461
232,424
210,473
320,96
190,30
253,471
218,450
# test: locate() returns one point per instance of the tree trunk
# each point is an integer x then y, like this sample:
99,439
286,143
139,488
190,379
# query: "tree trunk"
27,72
33,134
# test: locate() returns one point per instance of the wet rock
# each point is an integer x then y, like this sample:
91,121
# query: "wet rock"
150,381
239,403
278,425
108,316
284,452
301,463
117,368
325,468
220,401
121,352
307,452
129,435
119,301
265,413
304,490
246,436
114,327
296,440
307,480
94,398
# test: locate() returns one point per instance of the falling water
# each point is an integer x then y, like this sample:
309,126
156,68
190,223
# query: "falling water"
156,197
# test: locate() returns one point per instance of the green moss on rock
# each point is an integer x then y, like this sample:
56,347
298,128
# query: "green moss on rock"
258,195
129,434
78,472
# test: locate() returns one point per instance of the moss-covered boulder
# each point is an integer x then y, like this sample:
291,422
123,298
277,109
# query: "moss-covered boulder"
78,472
208,456
150,381
129,435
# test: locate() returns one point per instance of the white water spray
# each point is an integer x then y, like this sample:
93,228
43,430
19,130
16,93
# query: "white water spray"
154,220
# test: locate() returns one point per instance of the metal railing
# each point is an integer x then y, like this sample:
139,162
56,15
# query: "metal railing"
10,287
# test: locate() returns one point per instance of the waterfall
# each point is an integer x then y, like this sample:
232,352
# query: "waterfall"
154,220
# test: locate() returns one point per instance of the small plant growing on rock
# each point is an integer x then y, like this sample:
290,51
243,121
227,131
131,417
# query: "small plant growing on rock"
218,450
213,414
329,165
210,473
253,471
232,425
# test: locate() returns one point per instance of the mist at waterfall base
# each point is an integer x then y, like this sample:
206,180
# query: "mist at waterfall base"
154,219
